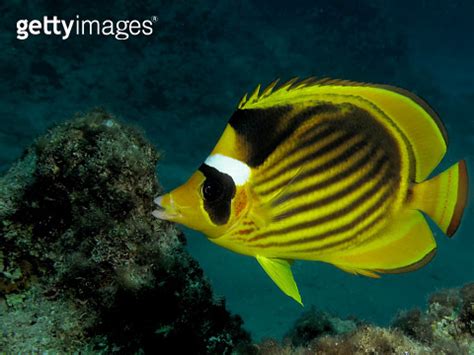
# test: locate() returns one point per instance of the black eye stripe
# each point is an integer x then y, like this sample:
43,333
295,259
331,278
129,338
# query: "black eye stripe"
219,208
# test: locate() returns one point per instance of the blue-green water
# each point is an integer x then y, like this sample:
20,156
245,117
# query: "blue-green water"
181,84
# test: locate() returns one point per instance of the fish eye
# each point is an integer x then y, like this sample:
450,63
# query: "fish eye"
212,190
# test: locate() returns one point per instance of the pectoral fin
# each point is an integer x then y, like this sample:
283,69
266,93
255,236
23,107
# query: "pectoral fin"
279,271
262,213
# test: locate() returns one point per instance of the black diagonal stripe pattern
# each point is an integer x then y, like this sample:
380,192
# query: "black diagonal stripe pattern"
351,188
326,218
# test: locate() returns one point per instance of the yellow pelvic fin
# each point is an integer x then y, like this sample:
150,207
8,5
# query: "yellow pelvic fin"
443,197
279,271
405,245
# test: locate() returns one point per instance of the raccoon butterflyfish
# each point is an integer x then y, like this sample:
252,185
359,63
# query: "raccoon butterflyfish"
327,170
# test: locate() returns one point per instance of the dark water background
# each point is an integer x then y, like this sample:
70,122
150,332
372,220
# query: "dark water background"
181,84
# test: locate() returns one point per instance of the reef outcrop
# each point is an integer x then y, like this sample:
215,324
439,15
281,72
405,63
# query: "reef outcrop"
445,327
84,266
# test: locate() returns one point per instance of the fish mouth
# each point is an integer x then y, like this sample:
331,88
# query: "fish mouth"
163,212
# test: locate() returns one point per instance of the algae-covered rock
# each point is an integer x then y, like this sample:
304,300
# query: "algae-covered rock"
445,327
83,264
314,323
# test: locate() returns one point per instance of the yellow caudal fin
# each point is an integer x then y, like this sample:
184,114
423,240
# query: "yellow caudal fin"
443,197
405,245
279,271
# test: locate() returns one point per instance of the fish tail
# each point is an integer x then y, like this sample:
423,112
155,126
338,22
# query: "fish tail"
444,197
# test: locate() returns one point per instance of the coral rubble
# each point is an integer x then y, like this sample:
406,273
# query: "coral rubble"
313,324
446,327
83,264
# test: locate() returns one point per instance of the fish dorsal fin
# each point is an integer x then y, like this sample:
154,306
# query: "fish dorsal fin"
399,110
279,271
294,85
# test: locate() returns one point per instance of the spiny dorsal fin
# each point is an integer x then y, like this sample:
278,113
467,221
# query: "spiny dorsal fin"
411,115
291,85
255,95
268,90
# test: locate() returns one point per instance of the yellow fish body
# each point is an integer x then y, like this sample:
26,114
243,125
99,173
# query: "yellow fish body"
326,170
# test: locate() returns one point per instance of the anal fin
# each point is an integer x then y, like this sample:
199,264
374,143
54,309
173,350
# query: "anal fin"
405,245
279,271
358,271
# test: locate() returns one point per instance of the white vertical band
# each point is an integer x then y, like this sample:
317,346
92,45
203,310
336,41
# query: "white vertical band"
238,171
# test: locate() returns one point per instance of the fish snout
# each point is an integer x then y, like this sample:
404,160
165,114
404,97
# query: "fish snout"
166,208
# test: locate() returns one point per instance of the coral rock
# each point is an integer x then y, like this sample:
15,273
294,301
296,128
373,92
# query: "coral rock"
85,266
